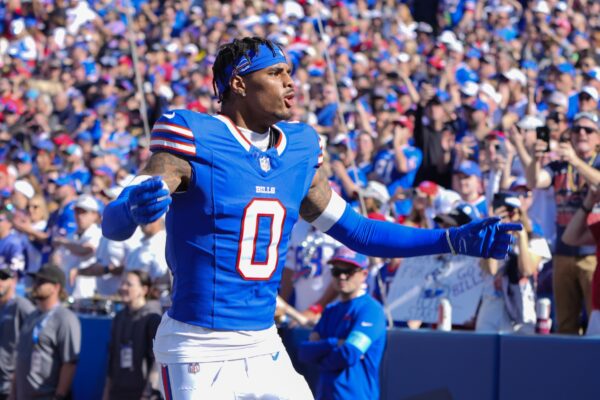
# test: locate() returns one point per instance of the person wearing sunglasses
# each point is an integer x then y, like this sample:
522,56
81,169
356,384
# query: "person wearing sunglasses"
348,341
49,343
588,99
14,310
576,170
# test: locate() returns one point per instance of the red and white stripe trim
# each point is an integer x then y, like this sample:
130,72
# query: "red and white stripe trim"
174,129
169,144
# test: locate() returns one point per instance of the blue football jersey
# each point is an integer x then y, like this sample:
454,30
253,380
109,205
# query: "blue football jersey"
227,235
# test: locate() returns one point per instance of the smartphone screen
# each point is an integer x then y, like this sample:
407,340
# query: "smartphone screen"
543,133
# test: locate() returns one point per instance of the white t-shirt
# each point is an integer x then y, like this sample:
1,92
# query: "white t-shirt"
115,253
149,256
85,286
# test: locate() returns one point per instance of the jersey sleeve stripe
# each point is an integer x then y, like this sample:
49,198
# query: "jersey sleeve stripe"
172,128
169,135
332,213
172,145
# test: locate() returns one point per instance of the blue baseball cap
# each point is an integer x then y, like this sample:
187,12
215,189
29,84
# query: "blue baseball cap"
346,255
64,180
566,68
473,53
22,157
85,136
442,95
529,64
45,145
479,105
464,75
469,168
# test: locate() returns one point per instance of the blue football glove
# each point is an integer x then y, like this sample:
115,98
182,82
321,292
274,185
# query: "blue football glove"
487,238
149,200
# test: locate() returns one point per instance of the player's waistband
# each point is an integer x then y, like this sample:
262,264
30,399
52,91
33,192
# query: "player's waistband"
179,342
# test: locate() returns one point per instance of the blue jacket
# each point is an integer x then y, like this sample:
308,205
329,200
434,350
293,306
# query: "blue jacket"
349,370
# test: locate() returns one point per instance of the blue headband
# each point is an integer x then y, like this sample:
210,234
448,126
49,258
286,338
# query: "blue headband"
265,57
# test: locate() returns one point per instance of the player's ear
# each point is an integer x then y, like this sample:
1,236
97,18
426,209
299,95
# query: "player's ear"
238,86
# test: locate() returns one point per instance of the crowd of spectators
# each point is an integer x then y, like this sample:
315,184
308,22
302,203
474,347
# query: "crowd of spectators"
425,106
435,113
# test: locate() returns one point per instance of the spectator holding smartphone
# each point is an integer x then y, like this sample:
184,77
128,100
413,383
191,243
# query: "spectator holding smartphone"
508,302
570,176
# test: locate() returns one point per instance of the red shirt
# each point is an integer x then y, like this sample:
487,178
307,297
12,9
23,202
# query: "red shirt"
595,229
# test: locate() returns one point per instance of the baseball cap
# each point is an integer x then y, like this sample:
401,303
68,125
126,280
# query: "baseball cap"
112,192
479,105
87,203
530,122
519,183
377,191
50,273
24,188
424,27
566,68
64,180
489,91
516,75
63,140
469,168
461,214
509,199
541,7
428,187
559,99
473,53
587,115
45,145
346,255
85,136
445,200
469,89
74,149
591,91
594,73
22,157
436,62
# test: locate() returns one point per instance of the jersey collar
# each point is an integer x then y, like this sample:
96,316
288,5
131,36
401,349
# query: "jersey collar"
235,132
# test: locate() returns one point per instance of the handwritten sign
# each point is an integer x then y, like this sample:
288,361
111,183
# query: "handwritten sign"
421,282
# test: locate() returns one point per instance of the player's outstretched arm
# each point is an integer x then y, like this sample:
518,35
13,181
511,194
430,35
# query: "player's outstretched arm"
147,198
331,214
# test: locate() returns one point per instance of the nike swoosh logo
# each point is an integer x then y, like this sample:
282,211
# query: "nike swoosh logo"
171,115
275,356
366,324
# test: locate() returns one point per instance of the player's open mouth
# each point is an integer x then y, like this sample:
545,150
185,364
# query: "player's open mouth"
289,100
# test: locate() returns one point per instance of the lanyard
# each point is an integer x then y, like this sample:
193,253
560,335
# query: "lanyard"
37,329
571,185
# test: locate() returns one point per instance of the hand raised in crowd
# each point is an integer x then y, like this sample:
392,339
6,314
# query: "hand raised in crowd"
465,148
566,152
515,136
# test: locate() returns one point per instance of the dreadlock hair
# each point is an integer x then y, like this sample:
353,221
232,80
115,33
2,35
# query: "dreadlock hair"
230,52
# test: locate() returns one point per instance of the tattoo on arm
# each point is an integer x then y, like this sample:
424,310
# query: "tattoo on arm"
317,198
174,170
